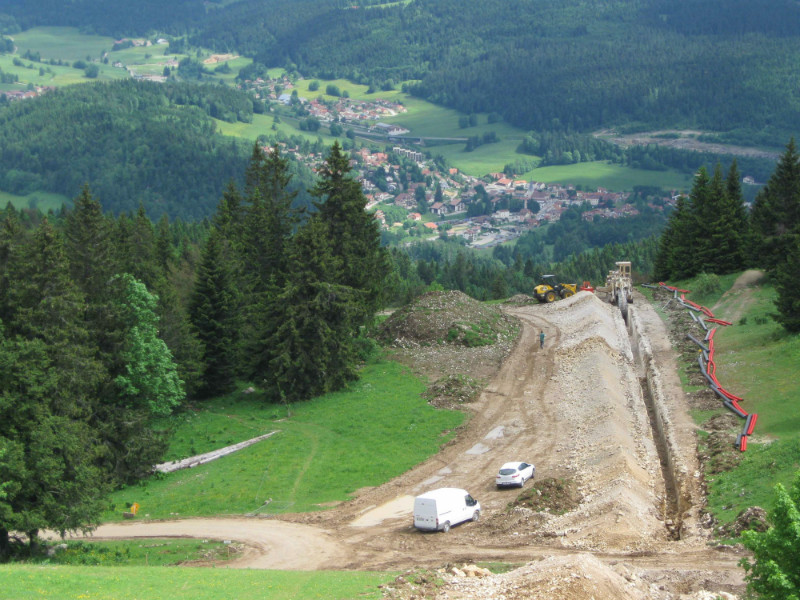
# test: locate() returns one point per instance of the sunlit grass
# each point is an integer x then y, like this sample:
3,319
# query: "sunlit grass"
325,449
23,582
64,43
611,176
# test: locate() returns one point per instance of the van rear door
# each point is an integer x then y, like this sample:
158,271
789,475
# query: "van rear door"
425,515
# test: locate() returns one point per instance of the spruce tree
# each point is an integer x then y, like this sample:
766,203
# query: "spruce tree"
787,274
49,382
776,210
312,346
353,233
89,245
213,312
11,237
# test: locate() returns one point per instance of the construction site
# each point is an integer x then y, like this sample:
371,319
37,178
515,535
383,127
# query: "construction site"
616,510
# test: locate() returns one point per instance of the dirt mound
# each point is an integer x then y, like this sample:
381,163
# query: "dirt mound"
452,390
555,578
556,496
447,318
752,518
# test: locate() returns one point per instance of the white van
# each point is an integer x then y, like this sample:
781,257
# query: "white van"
438,510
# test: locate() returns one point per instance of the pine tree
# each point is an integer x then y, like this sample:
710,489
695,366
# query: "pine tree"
50,382
787,274
312,346
11,237
213,314
776,210
89,245
137,250
352,232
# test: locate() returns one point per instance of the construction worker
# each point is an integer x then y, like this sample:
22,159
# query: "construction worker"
541,339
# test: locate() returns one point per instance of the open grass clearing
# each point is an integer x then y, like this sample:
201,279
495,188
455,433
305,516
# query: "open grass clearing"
262,125
44,201
489,158
62,43
23,582
326,449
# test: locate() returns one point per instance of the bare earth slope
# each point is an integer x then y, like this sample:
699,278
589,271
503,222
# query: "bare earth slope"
576,409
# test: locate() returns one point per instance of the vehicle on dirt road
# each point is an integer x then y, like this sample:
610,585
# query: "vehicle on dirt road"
439,510
514,474
551,290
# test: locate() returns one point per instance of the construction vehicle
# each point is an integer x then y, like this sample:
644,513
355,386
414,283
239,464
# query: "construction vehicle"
619,287
551,290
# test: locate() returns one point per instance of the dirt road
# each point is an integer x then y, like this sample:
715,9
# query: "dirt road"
577,410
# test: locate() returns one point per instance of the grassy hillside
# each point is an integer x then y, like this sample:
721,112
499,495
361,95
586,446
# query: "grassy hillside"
325,449
757,360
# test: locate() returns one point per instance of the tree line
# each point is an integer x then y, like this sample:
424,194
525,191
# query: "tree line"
109,323
710,231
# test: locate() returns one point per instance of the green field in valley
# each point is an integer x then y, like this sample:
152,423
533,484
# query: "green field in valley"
421,118
611,176
44,201
62,43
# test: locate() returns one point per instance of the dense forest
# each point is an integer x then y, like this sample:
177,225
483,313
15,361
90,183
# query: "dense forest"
721,65
710,232
108,323
134,142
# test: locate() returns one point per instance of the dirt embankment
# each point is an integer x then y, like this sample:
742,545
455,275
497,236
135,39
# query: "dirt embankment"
577,410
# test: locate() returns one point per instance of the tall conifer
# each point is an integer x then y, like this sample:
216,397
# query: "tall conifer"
776,211
352,232
213,311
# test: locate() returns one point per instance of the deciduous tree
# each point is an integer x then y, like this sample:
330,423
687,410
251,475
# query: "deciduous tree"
774,572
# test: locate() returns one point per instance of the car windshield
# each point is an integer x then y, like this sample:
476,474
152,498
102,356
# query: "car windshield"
507,471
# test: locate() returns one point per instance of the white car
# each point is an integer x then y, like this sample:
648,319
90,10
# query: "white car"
515,473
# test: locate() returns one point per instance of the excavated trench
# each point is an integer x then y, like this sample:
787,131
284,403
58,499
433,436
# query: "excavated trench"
677,499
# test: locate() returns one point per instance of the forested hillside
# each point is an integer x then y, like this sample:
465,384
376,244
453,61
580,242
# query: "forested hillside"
726,66
117,18
133,142
549,64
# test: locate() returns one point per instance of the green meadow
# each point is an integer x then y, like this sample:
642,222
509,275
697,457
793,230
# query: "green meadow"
44,201
262,125
149,552
63,43
25,582
322,452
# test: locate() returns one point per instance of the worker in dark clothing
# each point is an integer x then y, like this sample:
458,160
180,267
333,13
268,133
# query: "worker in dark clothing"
541,339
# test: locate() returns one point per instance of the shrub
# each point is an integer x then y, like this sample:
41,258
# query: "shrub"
707,283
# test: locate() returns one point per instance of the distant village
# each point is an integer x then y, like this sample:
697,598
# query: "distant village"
517,205
535,203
